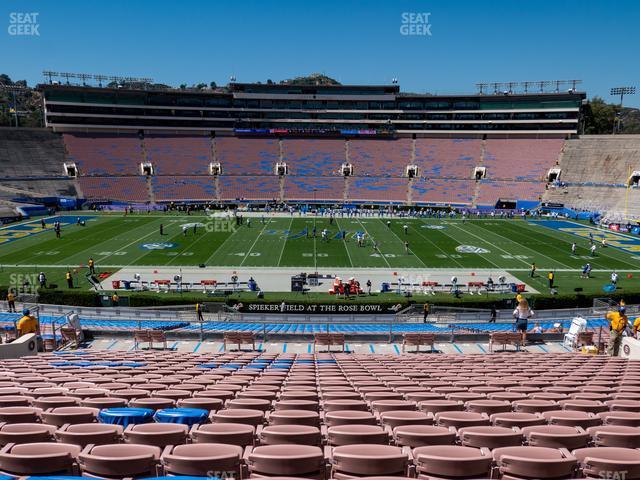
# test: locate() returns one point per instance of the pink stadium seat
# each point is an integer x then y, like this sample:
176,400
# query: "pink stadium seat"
104,154
179,154
39,458
247,156
314,158
447,158
380,158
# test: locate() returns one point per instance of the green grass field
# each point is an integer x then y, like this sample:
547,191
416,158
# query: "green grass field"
115,241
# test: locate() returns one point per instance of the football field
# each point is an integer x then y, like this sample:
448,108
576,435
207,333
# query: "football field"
115,242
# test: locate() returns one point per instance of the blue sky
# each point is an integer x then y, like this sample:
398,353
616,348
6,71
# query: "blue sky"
356,42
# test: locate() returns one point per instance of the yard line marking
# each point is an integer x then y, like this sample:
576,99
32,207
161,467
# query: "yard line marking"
153,232
315,249
396,348
254,242
97,245
411,251
368,235
113,344
436,245
482,349
530,249
344,244
493,245
356,269
186,249
198,345
455,345
221,245
285,241
487,259
594,260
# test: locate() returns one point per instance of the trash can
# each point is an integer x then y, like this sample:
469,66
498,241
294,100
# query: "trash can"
385,287
115,284
127,284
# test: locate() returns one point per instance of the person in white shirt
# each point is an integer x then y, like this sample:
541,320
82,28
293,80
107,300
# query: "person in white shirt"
573,248
593,250
614,278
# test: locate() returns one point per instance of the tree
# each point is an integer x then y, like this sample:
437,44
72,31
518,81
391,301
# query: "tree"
183,86
213,85
269,81
599,116
6,79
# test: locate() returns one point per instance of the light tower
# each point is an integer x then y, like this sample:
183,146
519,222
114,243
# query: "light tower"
622,91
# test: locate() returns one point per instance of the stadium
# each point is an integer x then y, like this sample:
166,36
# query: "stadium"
314,278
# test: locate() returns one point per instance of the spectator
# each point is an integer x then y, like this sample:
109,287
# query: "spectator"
27,324
618,323
11,302
425,312
536,328
522,313
557,328
494,314
115,300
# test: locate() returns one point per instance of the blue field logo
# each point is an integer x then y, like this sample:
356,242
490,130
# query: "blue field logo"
434,227
158,246
470,249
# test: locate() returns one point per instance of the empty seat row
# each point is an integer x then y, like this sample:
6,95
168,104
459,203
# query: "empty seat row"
349,461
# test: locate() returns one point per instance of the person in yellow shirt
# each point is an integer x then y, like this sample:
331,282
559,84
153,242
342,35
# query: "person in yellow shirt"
636,327
92,266
618,322
115,300
11,302
199,312
27,324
